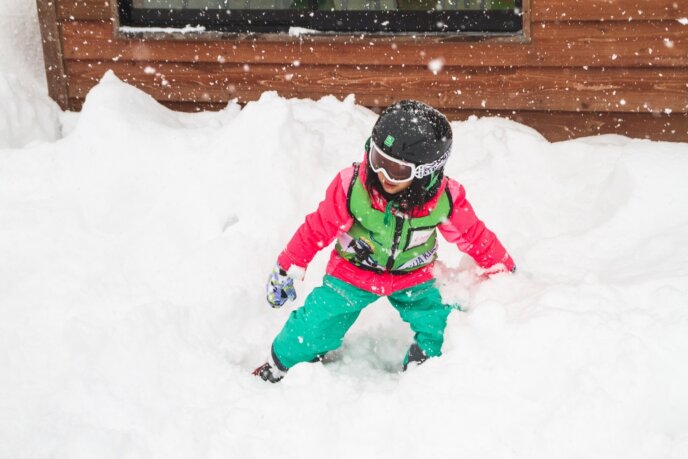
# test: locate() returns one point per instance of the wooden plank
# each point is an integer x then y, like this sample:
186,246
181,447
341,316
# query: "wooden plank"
637,44
84,10
542,10
557,126
608,10
619,90
189,107
52,53
554,126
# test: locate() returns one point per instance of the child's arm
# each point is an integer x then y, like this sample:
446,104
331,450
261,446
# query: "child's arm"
322,226
470,234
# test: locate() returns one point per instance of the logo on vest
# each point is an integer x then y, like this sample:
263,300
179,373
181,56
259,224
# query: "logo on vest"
420,260
362,250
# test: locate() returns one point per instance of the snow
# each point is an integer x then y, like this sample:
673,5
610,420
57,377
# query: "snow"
299,31
27,114
436,65
187,29
135,243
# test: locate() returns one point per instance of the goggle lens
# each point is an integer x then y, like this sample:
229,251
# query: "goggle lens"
394,170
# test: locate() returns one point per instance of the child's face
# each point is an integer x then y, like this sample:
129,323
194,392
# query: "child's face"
392,188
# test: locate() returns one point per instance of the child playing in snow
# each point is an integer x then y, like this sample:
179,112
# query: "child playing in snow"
384,213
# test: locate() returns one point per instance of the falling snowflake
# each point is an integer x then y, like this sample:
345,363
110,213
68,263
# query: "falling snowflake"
435,65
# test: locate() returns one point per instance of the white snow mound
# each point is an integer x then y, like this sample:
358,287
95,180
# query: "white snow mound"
133,256
27,114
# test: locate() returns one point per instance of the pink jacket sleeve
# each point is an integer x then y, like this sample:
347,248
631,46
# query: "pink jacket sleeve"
322,226
470,234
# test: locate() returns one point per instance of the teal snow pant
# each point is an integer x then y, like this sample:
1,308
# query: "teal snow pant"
330,310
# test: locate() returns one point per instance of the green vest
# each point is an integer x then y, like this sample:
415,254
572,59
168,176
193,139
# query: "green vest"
381,241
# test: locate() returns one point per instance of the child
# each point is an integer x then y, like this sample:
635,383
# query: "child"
384,213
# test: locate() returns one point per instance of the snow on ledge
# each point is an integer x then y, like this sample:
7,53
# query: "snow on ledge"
298,31
184,30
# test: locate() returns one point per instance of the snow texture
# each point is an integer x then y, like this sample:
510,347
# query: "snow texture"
135,243
187,29
299,31
27,114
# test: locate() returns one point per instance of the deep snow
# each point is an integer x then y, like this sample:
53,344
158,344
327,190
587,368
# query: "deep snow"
27,114
134,251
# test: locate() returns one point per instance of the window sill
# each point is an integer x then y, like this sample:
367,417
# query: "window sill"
200,34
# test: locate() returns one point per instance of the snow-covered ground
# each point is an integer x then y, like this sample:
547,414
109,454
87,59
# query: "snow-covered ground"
135,243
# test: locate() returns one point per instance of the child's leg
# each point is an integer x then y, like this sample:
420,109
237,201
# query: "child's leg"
422,308
320,324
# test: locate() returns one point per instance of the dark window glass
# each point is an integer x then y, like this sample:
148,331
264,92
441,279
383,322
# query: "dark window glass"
328,15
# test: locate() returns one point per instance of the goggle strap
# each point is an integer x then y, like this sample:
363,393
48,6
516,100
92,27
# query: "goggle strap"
427,169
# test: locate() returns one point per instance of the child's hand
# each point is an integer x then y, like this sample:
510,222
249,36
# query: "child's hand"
280,287
496,269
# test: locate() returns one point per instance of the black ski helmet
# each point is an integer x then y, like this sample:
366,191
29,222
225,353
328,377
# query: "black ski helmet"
412,131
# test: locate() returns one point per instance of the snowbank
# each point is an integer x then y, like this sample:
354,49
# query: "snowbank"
133,255
27,114
20,41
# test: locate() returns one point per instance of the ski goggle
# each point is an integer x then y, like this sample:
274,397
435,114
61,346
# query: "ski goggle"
398,171
394,170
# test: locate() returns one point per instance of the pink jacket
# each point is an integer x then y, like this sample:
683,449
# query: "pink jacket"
333,218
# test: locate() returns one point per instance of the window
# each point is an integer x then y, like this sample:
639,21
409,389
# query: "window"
246,16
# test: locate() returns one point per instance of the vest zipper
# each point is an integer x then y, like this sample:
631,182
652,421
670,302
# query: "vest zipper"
398,227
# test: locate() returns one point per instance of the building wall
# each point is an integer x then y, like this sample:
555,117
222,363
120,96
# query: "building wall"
588,67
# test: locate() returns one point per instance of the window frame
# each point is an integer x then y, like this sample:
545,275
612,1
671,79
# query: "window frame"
385,22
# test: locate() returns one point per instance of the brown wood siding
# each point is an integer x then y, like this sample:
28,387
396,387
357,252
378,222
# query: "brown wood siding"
595,89
543,10
590,67
607,10
52,52
613,44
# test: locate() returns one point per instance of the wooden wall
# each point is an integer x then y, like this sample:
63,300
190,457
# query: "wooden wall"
590,66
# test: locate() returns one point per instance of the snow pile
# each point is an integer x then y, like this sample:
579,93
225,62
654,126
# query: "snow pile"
20,40
133,256
27,114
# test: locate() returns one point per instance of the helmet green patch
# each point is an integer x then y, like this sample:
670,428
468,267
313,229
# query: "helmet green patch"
389,141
